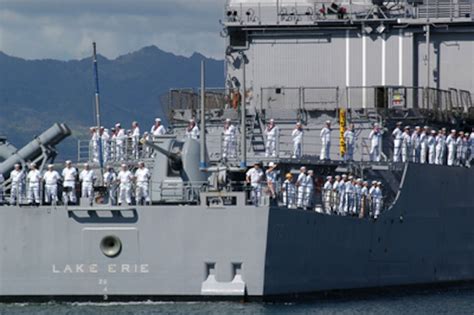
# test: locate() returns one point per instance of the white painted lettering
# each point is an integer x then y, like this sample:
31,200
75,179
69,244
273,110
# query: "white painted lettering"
55,270
67,269
80,268
112,268
93,268
125,268
144,268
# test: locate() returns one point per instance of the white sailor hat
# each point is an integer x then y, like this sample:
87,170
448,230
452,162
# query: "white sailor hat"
192,120
117,125
365,182
123,165
351,177
453,130
417,127
399,123
303,168
328,122
50,165
310,172
426,127
328,177
271,164
344,176
86,164
374,182
379,183
33,164
407,128
68,161
337,177
359,180
157,119
298,123
272,121
227,120
433,131
17,164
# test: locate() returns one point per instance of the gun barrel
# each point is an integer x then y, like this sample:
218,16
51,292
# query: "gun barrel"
172,156
52,136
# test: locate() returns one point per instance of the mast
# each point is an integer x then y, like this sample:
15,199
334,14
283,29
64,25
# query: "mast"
96,76
243,130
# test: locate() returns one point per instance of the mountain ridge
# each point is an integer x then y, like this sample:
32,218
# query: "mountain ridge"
36,93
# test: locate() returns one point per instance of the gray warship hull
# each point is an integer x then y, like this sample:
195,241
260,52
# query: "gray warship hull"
234,251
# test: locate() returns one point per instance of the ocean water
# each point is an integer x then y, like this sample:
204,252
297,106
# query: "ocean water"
449,301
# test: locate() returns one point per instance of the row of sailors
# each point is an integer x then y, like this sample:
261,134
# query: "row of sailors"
342,195
69,177
426,145
119,143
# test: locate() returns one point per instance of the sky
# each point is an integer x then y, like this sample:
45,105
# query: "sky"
65,29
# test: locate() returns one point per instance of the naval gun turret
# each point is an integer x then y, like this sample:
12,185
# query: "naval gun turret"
41,149
176,175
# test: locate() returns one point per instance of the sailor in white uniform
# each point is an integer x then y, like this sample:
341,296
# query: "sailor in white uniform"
125,179
33,180
254,177
406,144
424,144
87,178
371,198
397,136
94,144
460,149
135,139
342,194
349,192
120,140
308,202
51,179
375,138
365,199
158,129
440,147
142,178
451,144
297,137
335,194
416,145
289,192
377,199
431,143
69,175
350,140
272,134
326,142
357,196
327,195
110,178
17,177
228,141
300,186
471,142
192,131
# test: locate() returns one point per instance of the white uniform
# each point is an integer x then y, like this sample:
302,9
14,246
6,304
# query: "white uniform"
300,184
142,176
349,138
297,136
158,131
105,138
327,196
272,141
34,180
451,144
341,188
357,199
406,147
372,202
109,180
440,149
193,133
87,177
364,195
289,194
335,196
120,144
256,184
308,201
377,201
349,197
325,144
397,135
431,143
16,191
423,148
69,176
135,141
416,147
228,142
125,188
375,138
51,179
